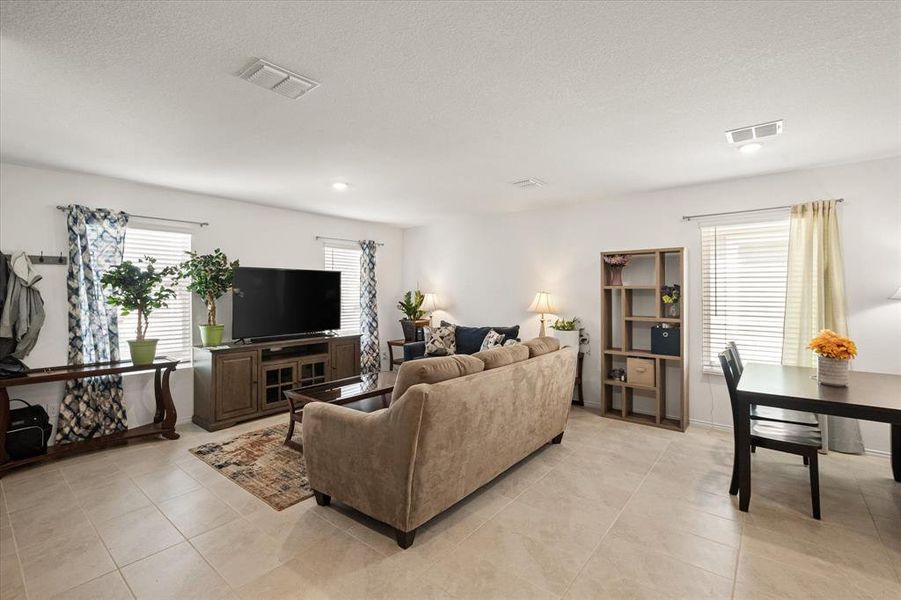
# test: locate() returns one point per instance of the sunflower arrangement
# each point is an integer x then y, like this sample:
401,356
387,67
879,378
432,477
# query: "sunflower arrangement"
832,345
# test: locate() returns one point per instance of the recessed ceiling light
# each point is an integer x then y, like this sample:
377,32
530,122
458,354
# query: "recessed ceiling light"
750,148
340,186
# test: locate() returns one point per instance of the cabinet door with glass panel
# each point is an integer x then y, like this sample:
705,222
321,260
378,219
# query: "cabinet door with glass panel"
313,370
278,378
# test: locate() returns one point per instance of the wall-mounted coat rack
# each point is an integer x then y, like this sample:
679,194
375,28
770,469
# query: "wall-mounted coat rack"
40,259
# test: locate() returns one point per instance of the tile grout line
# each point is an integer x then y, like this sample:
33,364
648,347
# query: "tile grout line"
187,539
431,563
741,540
498,511
99,537
15,541
885,547
616,518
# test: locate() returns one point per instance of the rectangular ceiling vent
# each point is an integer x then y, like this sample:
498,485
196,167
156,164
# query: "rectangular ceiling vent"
754,132
278,79
528,183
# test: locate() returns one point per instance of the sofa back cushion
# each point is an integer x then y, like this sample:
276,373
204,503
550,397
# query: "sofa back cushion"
434,370
542,345
469,339
503,356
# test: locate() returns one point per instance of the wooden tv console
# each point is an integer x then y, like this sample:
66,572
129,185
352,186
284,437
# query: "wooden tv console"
239,382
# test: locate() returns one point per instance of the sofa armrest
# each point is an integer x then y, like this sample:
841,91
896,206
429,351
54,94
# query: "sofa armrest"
364,459
414,350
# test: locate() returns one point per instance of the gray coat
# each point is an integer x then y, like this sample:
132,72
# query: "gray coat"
23,309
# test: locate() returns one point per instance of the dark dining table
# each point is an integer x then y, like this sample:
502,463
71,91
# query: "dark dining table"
869,396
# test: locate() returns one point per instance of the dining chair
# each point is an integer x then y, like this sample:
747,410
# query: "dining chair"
769,413
790,438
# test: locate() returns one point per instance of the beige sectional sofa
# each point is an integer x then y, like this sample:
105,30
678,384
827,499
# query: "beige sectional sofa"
454,424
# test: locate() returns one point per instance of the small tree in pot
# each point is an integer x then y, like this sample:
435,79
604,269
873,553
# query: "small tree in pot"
212,276
411,306
140,290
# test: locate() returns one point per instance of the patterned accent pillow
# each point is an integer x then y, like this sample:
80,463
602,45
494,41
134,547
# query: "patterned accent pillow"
512,342
492,340
441,342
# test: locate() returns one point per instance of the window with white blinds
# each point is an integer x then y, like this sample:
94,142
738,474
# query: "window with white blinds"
744,269
346,260
170,325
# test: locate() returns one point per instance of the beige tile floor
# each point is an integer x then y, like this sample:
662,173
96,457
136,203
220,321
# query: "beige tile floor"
615,511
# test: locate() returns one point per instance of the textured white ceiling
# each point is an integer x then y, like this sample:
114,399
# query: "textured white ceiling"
429,110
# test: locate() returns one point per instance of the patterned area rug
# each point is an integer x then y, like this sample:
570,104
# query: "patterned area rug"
261,464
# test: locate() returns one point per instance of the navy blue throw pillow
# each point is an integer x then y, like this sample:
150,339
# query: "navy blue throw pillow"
469,339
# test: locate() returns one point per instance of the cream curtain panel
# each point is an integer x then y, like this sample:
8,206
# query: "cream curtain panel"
815,299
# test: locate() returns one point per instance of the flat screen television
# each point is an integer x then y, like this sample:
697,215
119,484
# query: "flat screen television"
283,302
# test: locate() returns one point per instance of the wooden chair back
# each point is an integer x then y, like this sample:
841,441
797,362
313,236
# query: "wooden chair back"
735,355
727,363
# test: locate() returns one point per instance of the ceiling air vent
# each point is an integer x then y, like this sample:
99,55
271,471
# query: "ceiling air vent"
754,132
528,183
278,79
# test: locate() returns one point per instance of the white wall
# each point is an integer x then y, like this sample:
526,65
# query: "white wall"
487,270
258,236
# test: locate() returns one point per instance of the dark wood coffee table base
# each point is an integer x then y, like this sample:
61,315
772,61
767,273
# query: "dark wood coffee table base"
366,393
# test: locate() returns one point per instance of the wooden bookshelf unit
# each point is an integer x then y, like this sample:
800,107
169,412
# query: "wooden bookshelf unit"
628,314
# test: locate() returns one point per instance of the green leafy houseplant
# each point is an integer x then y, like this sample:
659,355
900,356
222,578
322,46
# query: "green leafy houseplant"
211,277
567,332
564,325
140,290
411,306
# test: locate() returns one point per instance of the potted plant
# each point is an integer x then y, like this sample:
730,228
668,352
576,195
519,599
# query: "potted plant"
411,306
567,332
671,295
616,262
140,290
834,353
211,277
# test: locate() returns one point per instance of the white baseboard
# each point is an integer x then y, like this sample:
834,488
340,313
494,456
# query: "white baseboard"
879,453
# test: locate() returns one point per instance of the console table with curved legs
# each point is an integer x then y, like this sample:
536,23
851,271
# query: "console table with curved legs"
163,420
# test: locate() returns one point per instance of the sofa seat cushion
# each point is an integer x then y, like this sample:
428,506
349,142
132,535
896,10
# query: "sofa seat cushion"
434,370
469,339
503,356
542,345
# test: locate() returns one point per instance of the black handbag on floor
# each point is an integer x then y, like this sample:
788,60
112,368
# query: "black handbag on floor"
29,431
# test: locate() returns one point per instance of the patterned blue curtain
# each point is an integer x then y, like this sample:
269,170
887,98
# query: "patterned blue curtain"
92,407
370,361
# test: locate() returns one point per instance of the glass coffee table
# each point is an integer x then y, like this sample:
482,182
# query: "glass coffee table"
366,393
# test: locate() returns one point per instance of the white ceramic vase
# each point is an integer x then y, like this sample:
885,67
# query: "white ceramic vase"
832,371
567,338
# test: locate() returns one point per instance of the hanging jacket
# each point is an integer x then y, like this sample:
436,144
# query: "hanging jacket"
4,280
23,308
7,345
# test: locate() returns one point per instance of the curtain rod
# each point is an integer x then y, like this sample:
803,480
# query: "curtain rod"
334,239
200,223
739,212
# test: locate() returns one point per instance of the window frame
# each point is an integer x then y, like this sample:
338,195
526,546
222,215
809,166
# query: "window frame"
184,299
773,238
329,265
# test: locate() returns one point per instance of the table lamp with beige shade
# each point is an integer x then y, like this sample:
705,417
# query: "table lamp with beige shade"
430,305
542,304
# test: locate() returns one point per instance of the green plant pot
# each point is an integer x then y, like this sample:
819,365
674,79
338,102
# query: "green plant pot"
211,335
143,352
